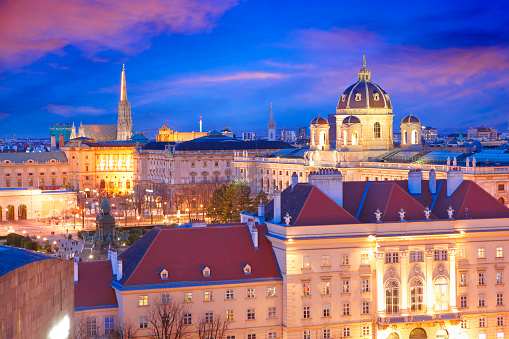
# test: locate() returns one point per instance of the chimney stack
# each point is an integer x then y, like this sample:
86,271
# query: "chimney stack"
295,180
53,142
414,181
61,141
254,233
433,181
277,206
76,270
113,258
261,209
454,180
330,182
119,270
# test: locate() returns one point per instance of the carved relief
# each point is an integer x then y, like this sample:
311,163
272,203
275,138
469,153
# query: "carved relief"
417,269
379,256
392,271
429,253
403,255
452,252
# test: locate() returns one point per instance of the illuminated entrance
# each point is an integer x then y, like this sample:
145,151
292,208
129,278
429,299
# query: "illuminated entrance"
418,333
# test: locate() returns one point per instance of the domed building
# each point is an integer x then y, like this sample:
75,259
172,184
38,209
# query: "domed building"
410,132
319,129
371,105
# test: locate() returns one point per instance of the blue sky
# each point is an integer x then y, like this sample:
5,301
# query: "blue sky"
445,61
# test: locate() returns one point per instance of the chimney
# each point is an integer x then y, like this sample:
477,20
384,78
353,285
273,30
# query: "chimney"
254,233
433,181
61,141
454,180
113,258
76,270
277,206
330,182
295,180
53,142
414,181
119,270
261,209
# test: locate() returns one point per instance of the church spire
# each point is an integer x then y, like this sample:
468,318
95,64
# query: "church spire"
271,126
123,88
125,122
271,120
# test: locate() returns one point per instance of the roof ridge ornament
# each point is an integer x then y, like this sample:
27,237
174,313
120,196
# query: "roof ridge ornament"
364,73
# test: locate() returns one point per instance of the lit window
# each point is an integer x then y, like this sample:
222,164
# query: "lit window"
365,285
358,97
499,277
326,310
143,322
366,330
365,258
188,297
188,319
109,325
209,317
271,313
250,293
346,259
346,309
391,257
346,332
306,312
326,333
91,326
326,287
416,256
306,289
306,334
251,314
325,260
392,297
377,130
481,253
480,278
463,301
306,262
481,300
346,286
271,291
500,299
417,295
143,300
208,296
230,315
463,279
230,294
365,307
500,252
441,294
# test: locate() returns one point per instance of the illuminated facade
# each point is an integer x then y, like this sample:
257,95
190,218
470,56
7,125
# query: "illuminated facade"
168,135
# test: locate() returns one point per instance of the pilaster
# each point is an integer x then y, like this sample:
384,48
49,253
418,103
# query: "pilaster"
429,280
379,256
403,255
452,278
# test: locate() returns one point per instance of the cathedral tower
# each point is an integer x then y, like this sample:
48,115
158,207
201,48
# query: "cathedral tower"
271,126
125,122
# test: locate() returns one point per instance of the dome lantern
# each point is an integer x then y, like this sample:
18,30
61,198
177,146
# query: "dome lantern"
364,73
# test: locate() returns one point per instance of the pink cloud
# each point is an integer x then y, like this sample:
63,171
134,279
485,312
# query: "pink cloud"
70,111
234,77
32,28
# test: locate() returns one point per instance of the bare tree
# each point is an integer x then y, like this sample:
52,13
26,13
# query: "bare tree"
212,327
167,320
125,330
86,327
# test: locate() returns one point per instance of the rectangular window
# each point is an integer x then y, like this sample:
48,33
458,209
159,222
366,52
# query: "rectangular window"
271,313
20,183
326,310
392,258
463,301
91,326
325,260
209,317
481,253
463,253
440,255
326,333
188,297
250,293
365,285
271,291
346,309
366,330
143,300
251,314
346,286
143,322
306,334
230,315
208,296
31,182
7,182
463,279
230,294
482,322
481,300
365,258
188,319
500,252
251,336
346,259
306,289
499,275
416,256
306,262
272,335
480,278
501,187
346,332
500,320
109,325
500,299
365,307
326,287
306,313
464,323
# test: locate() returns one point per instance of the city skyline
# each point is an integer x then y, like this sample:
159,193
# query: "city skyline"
227,61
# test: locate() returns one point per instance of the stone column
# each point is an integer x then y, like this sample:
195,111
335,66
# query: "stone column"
403,255
429,281
452,278
380,292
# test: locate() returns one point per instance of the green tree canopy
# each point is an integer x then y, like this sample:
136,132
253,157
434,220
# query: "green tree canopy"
229,200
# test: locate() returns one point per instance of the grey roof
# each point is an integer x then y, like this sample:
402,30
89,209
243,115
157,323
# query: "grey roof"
12,258
36,156
99,132
226,143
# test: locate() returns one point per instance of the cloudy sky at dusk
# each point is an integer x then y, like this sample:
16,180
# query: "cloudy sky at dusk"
60,61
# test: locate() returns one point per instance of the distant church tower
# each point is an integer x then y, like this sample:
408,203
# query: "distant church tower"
271,126
125,122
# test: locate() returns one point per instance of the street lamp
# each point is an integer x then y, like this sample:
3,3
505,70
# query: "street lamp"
138,217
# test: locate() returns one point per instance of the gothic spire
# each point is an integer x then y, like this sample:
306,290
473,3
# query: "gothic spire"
123,89
271,121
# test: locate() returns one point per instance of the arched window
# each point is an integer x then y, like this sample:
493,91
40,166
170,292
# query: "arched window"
441,294
404,140
322,138
501,200
414,137
345,134
128,184
355,139
22,212
103,183
10,213
312,138
392,297
376,130
416,295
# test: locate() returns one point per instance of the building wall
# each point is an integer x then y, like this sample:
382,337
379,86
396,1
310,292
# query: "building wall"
38,204
95,316
36,297
32,174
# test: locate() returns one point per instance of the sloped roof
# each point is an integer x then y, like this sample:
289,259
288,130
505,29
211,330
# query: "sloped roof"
226,143
12,258
20,157
99,132
184,251
93,288
157,145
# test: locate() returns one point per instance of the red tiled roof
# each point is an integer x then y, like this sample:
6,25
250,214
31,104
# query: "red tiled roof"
184,251
93,287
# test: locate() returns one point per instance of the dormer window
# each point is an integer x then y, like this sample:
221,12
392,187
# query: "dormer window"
246,268
343,97
376,96
163,273
357,97
206,271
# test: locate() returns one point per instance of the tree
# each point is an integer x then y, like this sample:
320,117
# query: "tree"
260,196
229,200
167,319
86,327
125,330
214,328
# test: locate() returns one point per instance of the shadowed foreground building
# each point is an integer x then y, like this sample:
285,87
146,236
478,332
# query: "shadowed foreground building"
36,295
331,259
